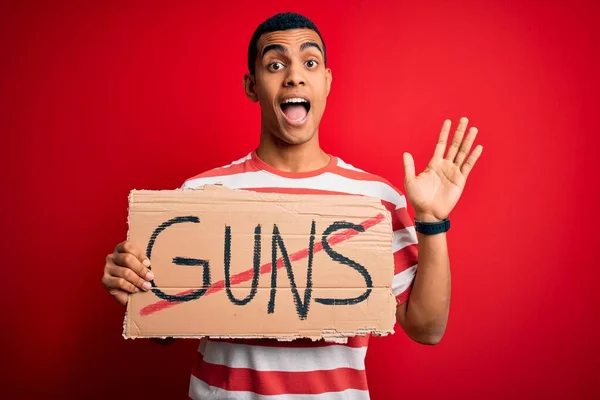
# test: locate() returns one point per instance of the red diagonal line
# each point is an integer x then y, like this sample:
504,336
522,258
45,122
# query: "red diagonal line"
265,268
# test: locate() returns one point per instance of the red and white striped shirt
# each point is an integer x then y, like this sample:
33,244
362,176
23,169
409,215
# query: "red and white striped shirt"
264,369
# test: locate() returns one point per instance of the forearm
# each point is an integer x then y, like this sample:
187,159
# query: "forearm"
426,312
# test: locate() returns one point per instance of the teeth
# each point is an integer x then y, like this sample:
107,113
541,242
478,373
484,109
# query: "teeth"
295,100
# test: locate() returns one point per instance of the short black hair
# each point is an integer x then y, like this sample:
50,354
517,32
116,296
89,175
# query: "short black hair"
280,22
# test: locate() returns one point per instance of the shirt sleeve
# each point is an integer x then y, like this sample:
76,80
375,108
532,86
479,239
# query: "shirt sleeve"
405,250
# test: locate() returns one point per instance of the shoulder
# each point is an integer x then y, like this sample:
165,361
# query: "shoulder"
214,175
379,186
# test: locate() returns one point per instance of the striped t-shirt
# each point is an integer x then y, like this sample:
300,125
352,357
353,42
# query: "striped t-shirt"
265,369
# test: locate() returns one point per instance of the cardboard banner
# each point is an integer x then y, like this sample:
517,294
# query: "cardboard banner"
242,264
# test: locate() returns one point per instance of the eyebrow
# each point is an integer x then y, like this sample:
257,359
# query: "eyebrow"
281,49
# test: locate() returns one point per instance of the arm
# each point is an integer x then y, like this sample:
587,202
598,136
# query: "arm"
433,194
425,315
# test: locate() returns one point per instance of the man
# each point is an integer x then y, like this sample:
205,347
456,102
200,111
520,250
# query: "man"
288,77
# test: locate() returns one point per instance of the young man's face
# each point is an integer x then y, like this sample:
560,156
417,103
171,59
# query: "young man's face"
291,84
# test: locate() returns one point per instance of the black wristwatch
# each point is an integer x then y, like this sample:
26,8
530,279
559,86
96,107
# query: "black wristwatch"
432,228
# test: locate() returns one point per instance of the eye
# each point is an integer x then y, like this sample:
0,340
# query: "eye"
312,63
276,66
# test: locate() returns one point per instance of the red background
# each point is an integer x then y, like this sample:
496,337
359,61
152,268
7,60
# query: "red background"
98,98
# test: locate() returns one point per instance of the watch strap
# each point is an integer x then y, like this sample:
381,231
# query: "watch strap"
432,228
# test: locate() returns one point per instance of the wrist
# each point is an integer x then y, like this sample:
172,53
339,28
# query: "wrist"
427,223
426,217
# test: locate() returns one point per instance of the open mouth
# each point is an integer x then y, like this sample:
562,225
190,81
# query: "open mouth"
295,110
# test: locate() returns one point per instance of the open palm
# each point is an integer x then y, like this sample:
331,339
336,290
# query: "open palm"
435,191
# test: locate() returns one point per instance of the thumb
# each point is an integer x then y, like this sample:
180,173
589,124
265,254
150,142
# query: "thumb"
409,166
121,296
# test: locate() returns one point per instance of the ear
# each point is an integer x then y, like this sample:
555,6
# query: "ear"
250,87
329,78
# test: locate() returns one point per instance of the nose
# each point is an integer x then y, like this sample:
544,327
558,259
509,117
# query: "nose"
294,76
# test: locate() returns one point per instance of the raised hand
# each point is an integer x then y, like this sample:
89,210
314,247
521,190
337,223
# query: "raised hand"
435,191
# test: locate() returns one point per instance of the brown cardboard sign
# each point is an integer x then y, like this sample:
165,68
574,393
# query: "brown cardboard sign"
243,264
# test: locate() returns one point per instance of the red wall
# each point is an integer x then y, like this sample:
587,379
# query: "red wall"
97,99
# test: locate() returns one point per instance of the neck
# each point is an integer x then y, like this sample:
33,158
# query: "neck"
292,158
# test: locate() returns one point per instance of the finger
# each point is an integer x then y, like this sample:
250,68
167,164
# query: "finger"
409,166
128,260
115,284
457,139
131,260
130,247
440,147
129,276
465,147
470,163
